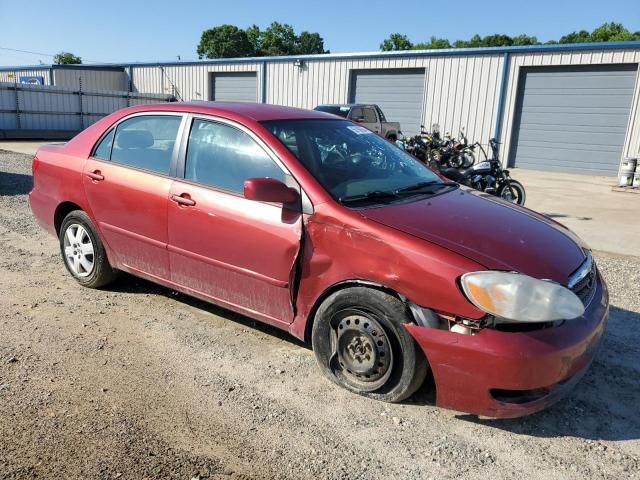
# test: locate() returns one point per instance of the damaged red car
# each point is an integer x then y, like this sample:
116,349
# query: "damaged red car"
315,225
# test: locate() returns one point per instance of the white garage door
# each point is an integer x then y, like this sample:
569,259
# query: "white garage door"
399,93
573,119
234,87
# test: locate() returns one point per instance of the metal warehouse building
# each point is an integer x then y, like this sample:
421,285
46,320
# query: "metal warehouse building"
571,108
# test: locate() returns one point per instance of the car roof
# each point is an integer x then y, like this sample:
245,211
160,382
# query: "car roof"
350,105
255,111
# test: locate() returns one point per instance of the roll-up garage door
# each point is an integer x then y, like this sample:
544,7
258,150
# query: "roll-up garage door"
234,87
572,119
399,93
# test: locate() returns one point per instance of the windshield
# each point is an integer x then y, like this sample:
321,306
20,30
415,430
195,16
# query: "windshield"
352,163
334,109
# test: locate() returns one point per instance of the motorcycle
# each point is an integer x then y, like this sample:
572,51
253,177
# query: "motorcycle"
489,177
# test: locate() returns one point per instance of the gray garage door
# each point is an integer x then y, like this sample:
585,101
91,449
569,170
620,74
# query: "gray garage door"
573,119
234,87
400,94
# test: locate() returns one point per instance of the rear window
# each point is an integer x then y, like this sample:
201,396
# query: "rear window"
334,109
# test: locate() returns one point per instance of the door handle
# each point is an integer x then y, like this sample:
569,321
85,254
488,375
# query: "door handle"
183,199
95,175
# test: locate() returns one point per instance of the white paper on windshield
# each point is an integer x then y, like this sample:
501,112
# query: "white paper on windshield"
359,130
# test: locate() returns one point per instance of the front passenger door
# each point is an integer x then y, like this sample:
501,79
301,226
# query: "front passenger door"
237,252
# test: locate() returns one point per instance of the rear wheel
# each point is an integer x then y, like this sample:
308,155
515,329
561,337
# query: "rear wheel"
513,191
83,252
360,343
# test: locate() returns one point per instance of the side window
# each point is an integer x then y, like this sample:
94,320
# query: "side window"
103,150
356,113
370,115
146,142
224,157
381,115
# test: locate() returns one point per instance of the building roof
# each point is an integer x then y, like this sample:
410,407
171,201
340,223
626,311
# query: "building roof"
565,47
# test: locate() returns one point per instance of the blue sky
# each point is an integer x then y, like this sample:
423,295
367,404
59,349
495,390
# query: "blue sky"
160,30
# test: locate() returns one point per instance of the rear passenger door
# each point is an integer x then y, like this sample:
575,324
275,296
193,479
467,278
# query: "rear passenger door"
127,181
237,252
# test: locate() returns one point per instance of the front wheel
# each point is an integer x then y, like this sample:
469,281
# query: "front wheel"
360,343
512,191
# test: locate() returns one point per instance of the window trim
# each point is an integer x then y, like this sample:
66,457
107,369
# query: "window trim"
176,147
375,114
182,161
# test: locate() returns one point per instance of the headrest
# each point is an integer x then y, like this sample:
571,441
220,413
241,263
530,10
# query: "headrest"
135,139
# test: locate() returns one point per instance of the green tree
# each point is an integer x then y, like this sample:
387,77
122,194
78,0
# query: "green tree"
254,36
309,43
607,32
613,32
278,39
576,37
525,40
395,42
66,58
433,44
225,41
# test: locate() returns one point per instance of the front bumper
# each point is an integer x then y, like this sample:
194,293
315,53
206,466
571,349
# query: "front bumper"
511,374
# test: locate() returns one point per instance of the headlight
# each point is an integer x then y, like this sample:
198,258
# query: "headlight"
520,298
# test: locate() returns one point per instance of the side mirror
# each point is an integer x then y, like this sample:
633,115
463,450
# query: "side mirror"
268,190
358,119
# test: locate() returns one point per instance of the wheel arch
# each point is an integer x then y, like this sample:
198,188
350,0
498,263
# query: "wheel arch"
62,210
342,285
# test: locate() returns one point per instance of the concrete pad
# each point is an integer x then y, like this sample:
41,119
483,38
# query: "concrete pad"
23,146
604,219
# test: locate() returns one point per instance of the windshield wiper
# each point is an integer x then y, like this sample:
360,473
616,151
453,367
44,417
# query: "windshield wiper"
373,195
418,188
423,185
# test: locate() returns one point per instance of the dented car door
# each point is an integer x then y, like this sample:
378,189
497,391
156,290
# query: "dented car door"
221,245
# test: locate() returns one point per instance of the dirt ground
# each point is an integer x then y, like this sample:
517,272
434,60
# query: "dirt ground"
139,382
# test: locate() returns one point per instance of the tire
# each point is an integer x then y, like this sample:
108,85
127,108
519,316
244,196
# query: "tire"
83,252
360,344
515,194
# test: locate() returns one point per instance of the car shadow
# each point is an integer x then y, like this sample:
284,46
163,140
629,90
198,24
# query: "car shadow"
604,405
131,284
15,183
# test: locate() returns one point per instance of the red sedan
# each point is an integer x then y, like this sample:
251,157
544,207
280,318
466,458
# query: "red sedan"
319,227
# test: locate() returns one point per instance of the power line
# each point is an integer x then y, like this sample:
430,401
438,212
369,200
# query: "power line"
41,53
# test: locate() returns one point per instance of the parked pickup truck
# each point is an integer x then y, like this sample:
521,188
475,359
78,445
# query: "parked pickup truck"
369,116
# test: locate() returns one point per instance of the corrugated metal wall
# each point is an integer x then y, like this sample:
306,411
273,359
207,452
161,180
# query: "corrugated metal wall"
595,57
14,75
27,107
459,91
95,80
188,82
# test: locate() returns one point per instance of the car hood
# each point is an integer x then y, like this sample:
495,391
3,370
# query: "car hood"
489,231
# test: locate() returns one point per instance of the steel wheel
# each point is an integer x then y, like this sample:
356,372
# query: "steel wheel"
78,250
361,344
363,351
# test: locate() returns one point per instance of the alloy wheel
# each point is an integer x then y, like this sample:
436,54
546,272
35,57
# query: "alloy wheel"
78,250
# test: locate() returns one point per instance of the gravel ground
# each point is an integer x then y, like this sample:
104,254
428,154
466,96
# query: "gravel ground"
137,381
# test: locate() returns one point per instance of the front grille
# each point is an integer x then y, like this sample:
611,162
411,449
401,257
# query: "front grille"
583,281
